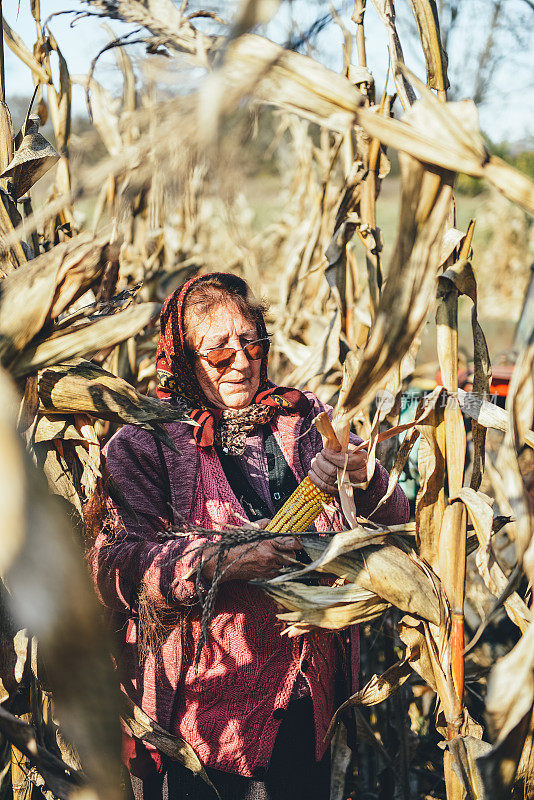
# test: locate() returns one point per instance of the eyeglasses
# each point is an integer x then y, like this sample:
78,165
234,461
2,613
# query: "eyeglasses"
225,356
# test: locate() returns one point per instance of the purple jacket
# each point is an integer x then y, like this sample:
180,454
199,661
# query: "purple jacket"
229,710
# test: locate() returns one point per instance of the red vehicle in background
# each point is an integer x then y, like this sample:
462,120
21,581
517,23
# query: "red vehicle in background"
501,376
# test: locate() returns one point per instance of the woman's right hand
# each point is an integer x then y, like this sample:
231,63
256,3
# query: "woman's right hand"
255,560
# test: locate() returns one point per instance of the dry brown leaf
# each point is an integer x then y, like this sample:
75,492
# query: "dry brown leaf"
40,290
508,713
449,137
386,11
430,502
32,159
343,542
387,571
50,595
15,43
481,515
102,334
105,112
174,747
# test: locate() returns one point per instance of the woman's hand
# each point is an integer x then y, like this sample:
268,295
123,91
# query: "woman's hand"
255,560
323,470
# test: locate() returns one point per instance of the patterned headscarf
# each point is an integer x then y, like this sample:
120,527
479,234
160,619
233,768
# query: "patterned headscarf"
177,378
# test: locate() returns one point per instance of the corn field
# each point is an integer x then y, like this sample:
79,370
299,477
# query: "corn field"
445,705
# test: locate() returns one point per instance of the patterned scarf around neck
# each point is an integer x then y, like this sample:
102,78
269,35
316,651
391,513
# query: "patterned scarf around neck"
176,379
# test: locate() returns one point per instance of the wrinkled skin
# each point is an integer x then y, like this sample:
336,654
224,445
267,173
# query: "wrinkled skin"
324,466
249,561
225,326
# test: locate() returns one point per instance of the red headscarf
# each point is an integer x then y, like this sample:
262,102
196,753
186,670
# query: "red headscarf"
176,375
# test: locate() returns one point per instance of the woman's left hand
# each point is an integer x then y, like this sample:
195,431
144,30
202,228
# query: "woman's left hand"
323,470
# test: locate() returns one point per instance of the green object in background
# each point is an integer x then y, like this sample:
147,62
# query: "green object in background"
409,479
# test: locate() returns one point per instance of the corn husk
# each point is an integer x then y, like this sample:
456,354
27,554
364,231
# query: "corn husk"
395,576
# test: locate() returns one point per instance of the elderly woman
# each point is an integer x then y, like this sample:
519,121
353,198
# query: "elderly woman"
257,707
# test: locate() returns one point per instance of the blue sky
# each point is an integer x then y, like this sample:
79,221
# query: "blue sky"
508,116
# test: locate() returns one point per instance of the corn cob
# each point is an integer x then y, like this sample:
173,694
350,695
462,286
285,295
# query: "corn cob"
300,510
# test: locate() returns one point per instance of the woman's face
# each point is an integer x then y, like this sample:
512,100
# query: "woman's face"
224,325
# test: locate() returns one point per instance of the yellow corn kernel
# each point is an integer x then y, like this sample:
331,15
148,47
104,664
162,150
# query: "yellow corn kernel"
300,510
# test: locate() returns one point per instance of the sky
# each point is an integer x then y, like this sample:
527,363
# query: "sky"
509,115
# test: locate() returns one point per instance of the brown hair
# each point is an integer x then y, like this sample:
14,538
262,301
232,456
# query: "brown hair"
210,291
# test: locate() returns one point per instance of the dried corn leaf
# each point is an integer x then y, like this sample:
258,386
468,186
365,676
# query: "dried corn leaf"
341,761
461,276
431,659
323,606
377,689
33,158
50,595
465,751
321,356
512,584
14,649
57,473
401,458
105,113
104,333
82,386
380,687
52,427
174,747
412,634
386,12
40,290
430,501
509,705
6,134
65,783
343,542
12,254
15,43
448,135
481,515
485,412
289,80
521,409
124,63
60,103
396,576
